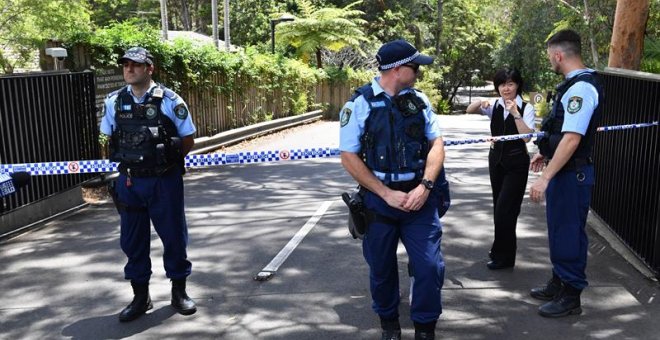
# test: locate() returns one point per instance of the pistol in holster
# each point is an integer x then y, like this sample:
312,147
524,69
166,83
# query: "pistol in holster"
112,190
357,214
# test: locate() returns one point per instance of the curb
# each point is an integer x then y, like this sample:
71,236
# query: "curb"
208,144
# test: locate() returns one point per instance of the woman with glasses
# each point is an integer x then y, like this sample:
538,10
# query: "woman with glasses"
508,161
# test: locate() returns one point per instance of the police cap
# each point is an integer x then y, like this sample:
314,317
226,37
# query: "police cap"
137,54
398,52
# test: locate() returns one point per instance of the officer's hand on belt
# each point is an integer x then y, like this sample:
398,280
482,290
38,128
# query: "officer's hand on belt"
416,198
396,199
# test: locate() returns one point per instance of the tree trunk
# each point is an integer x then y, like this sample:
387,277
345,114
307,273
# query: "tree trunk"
438,30
592,41
318,58
627,41
185,16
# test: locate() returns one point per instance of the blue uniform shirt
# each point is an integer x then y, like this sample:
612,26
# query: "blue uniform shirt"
358,111
579,102
185,126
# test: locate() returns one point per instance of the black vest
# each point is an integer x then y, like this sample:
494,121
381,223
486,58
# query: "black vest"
552,124
145,138
501,127
394,139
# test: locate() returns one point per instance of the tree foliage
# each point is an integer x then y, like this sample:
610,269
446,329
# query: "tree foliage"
318,28
26,24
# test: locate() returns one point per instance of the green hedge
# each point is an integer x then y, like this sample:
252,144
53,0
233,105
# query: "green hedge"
180,63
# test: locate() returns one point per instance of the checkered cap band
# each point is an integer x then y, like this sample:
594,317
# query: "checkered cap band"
400,62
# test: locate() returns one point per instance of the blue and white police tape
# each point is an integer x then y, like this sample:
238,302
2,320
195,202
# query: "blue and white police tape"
217,159
624,127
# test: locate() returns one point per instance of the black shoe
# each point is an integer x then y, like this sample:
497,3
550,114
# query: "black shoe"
422,335
391,329
498,264
567,302
180,300
549,291
424,331
141,303
391,334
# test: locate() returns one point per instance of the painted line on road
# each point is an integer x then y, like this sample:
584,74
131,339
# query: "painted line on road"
270,269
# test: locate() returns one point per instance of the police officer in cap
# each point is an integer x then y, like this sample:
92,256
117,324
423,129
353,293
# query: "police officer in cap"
150,132
391,144
568,178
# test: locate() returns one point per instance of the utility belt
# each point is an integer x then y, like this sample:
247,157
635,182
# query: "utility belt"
405,186
400,182
576,163
147,172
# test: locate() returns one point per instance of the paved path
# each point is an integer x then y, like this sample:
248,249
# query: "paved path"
64,281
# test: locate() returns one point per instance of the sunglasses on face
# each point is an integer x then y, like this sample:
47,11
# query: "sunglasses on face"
414,67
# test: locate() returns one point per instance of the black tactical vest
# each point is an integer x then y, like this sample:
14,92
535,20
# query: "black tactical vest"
145,140
394,139
552,124
501,127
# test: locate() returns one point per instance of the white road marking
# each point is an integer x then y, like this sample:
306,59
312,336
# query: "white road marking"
279,259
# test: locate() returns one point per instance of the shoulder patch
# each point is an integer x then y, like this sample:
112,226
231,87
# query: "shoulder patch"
345,116
180,111
574,104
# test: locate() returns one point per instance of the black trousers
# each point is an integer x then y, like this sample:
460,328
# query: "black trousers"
508,179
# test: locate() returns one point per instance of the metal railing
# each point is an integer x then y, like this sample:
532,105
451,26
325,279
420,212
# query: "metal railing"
627,191
47,117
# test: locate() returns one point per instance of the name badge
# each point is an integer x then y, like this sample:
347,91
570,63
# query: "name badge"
378,104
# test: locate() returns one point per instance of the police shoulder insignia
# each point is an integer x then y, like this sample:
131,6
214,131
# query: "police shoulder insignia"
574,104
345,116
180,111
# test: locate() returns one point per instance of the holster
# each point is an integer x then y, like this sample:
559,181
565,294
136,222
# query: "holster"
112,190
444,199
357,216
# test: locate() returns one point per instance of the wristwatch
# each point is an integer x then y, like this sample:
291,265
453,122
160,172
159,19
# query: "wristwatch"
519,116
427,184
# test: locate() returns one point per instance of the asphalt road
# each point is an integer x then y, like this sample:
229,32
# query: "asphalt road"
65,280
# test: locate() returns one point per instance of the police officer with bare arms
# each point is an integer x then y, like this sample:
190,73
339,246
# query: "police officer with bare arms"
568,178
150,132
391,144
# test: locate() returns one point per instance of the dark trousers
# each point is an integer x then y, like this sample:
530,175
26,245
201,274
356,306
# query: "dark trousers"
158,200
508,179
421,233
568,197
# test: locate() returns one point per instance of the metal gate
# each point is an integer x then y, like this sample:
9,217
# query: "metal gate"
47,117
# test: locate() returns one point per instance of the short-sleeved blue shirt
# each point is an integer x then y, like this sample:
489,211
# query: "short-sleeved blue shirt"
184,126
579,102
358,111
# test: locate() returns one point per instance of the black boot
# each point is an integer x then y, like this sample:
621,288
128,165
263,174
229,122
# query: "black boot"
548,291
141,303
567,302
180,300
425,331
391,329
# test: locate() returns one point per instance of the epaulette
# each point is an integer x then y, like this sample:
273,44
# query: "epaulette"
365,90
116,92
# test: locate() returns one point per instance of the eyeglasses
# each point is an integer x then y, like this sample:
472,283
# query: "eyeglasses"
414,67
